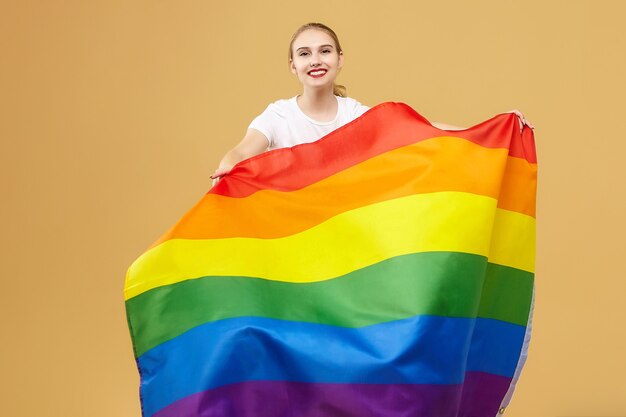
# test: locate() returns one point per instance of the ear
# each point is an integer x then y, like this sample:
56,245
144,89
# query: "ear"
292,67
340,62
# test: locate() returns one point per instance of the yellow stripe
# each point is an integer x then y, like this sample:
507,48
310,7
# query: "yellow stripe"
513,240
442,221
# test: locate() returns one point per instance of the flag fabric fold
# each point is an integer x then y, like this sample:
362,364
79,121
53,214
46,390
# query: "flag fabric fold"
386,269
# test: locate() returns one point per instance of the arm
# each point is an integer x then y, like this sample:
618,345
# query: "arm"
253,143
522,122
444,126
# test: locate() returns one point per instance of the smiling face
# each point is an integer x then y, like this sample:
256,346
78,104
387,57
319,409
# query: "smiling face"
315,59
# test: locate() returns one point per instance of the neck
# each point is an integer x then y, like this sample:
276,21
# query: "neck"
317,99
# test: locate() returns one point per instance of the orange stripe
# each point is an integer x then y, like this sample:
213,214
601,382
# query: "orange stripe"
519,187
438,164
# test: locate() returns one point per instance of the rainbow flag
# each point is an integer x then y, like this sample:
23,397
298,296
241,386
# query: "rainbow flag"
384,270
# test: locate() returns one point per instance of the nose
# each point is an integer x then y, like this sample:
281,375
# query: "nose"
315,60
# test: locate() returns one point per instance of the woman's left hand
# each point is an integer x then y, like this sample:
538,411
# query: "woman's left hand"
521,119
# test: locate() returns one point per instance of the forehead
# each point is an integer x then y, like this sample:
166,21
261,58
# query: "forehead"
312,38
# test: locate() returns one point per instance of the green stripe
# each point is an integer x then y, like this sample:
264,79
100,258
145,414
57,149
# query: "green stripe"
432,283
506,294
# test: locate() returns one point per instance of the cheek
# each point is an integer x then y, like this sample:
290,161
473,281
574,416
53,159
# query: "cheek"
334,60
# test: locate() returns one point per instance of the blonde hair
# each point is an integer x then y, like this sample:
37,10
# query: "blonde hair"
338,90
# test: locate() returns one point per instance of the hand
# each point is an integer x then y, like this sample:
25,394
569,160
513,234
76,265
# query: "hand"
220,172
521,119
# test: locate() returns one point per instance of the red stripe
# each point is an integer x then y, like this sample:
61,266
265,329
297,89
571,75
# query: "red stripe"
384,127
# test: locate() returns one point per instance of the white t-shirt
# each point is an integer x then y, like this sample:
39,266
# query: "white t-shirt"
284,124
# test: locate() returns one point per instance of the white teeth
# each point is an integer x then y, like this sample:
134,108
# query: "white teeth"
317,72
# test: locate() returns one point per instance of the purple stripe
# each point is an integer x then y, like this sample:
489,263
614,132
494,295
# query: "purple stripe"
482,394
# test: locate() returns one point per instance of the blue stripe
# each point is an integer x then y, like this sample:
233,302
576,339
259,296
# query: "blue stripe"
417,350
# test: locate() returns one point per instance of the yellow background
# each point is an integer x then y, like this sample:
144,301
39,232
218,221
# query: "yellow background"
114,114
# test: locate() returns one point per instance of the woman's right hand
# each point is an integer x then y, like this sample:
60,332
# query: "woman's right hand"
220,172
252,144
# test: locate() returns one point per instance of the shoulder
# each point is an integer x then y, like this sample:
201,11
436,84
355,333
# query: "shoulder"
353,107
275,115
280,108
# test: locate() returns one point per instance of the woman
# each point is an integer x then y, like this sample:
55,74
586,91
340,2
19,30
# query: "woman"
316,58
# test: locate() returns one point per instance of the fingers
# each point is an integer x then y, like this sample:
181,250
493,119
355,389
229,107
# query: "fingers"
215,178
218,173
522,120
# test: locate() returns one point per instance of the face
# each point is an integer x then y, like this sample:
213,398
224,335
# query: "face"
315,60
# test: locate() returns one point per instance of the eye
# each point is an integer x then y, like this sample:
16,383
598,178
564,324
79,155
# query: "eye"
303,53
326,50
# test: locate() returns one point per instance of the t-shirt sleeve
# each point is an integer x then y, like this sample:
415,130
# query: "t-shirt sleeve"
358,109
265,123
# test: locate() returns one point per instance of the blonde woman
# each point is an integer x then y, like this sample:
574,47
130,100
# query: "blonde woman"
316,58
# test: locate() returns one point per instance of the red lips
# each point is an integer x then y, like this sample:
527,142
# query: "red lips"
318,69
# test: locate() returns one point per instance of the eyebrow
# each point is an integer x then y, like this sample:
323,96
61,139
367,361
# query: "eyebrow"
306,47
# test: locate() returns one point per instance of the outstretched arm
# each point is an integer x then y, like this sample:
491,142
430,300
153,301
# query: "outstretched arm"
444,126
253,143
520,117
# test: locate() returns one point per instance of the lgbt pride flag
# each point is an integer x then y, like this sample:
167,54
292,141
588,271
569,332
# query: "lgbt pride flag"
384,270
